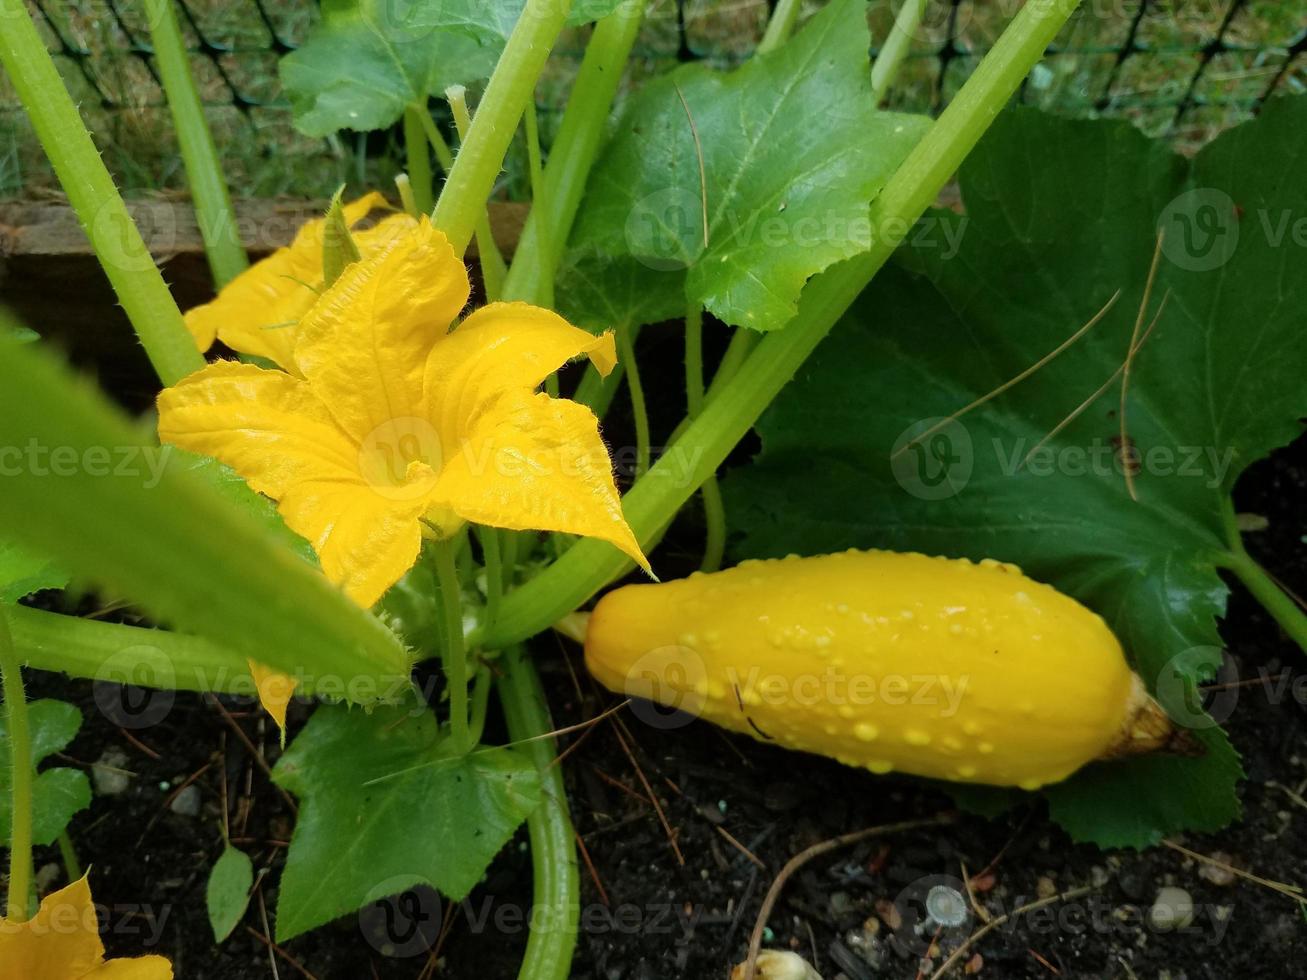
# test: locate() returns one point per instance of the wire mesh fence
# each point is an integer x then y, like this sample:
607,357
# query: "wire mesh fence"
1181,68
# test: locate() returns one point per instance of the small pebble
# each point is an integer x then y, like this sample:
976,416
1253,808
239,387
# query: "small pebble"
1045,887
1224,877
1172,909
187,802
109,773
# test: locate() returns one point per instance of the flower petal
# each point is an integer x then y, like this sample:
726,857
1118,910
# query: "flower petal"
61,940
257,312
138,968
363,346
275,691
537,463
267,426
365,539
500,347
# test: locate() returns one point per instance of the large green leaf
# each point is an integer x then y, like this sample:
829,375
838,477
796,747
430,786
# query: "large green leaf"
439,821
1060,215
100,499
793,152
601,292
57,794
23,572
368,59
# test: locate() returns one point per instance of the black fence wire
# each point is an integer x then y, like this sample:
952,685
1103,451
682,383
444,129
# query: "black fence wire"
1178,68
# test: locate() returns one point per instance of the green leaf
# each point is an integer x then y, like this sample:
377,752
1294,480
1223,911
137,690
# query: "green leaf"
368,59
338,248
602,292
126,514
228,891
57,794
1048,237
794,150
440,824
231,486
22,572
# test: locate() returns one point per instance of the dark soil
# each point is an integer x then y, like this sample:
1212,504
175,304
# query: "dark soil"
738,810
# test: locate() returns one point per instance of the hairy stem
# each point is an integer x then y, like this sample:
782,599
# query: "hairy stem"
1269,593
706,441
556,885
781,25
489,257
574,151
20,759
544,241
895,48
127,654
510,88
453,651
492,560
117,241
213,209
626,357
419,159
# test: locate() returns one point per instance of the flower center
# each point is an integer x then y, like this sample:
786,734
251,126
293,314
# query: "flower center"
401,458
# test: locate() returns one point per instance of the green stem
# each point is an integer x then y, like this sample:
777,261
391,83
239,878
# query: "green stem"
20,758
444,155
575,148
508,541
741,345
69,857
126,260
895,48
714,511
556,885
597,392
706,442
406,198
128,654
694,360
1268,592
454,653
480,705
213,210
780,26
490,259
543,242
714,519
419,158
510,88
626,357
493,561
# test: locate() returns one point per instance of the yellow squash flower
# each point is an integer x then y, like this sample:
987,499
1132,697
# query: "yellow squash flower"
62,942
386,422
256,312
